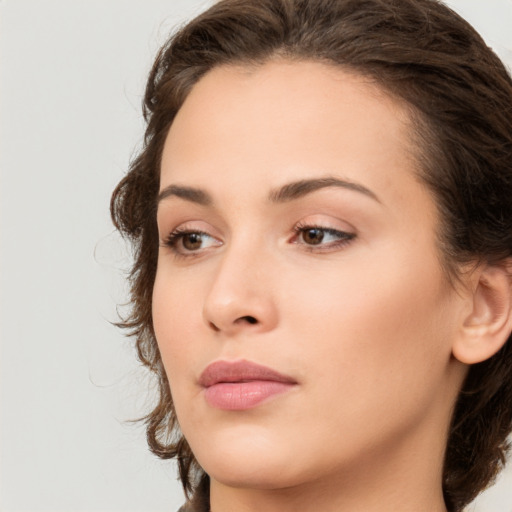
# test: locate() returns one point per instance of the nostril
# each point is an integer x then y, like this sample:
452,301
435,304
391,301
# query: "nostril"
214,327
249,319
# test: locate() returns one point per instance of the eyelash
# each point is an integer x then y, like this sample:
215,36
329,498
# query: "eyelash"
176,236
344,237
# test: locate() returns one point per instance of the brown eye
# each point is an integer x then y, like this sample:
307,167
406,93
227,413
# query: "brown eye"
324,238
192,241
313,236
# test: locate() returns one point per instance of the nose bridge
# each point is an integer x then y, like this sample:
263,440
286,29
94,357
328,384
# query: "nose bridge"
241,294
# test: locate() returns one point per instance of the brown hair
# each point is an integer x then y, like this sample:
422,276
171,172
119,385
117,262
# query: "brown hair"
460,97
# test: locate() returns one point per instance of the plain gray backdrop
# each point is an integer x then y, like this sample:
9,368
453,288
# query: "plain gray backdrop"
72,78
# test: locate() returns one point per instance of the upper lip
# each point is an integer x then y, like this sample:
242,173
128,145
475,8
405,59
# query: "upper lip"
240,371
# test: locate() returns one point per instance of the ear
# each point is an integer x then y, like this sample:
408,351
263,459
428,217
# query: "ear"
488,325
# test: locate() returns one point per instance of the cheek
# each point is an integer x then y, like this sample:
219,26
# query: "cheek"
175,320
176,313
377,342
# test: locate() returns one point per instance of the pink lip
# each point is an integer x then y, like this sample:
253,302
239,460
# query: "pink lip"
240,385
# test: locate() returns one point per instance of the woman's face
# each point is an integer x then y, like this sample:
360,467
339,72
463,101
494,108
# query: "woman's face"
294,235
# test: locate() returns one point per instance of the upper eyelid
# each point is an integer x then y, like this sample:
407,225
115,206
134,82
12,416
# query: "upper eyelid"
180,232
192,226
333,225
186,227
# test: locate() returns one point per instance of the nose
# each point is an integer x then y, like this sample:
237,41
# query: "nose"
241,297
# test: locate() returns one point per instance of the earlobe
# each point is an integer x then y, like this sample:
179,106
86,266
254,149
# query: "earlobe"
488,325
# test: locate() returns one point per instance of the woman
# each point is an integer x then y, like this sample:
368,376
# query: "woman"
323,229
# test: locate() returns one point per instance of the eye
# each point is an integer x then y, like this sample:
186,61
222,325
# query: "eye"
313,236
185,242
192,241
323,237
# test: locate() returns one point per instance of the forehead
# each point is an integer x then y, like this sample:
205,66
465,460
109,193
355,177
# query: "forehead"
271,123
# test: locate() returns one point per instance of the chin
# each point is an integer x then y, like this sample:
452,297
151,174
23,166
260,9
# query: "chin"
248,459
262,475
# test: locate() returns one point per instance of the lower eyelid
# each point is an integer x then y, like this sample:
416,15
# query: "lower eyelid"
334,246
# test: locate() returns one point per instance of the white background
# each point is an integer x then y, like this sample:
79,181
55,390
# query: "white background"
72,77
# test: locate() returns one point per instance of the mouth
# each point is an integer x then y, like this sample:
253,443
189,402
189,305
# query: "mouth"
241,385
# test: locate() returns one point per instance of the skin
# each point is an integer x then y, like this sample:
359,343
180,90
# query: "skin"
365,324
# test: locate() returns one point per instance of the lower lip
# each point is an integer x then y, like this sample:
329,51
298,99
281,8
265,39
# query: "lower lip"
238,396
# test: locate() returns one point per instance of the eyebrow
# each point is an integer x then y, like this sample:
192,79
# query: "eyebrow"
194,195
301,188
288,192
